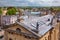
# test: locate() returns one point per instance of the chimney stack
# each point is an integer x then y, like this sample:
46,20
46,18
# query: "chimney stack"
37,26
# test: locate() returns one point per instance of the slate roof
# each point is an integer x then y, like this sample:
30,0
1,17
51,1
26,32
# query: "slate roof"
43,24
42,20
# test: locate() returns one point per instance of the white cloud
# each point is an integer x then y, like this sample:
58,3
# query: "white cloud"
31,2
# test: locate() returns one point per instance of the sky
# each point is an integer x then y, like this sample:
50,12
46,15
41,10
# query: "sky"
30,3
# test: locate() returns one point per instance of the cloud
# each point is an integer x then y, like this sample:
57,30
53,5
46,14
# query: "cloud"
29,2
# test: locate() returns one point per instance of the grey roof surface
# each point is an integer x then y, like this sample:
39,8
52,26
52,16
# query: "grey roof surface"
43,24
43,29
33,19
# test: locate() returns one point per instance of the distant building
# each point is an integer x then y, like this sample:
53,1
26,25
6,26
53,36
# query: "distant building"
4,11
58,16
25,30
36,13
34,10
7,20
58,20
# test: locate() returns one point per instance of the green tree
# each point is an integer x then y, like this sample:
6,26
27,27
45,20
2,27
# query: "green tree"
11,11
0,11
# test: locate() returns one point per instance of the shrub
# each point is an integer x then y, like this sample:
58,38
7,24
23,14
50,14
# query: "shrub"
0,11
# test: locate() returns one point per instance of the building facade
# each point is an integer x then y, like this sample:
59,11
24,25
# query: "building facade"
17,32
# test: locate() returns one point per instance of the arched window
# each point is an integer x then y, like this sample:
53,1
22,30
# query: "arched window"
45,38
10,39
29,37
25,36
57,20
18,30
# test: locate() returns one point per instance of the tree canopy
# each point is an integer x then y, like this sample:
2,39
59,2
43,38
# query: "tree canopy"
0,11
11,11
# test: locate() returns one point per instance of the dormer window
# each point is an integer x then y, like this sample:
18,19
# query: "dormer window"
48,19
18,30
58,21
